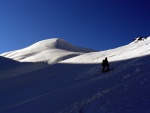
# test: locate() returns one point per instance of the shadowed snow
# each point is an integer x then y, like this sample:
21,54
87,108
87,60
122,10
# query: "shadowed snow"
76,85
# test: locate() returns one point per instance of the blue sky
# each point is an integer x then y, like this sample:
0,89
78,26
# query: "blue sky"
95,24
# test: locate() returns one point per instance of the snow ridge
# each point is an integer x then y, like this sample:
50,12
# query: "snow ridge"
49,50
137,48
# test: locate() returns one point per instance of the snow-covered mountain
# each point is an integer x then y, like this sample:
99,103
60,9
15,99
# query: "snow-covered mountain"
137,48
76,85
50,50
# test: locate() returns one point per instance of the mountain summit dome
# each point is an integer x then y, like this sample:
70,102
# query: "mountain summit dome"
56,43
51,50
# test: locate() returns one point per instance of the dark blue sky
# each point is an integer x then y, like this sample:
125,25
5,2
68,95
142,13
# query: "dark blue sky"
96,24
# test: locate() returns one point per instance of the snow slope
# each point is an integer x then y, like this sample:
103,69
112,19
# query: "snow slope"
11,68
74,86
132,50
50,50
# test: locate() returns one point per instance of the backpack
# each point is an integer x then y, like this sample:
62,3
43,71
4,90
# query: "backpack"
103,63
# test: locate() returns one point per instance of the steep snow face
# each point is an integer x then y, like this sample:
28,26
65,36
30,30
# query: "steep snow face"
50,50
135,49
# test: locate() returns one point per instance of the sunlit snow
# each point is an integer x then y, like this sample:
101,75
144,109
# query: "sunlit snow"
53,76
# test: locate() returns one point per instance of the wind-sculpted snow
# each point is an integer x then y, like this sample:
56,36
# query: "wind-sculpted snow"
77,85
50,50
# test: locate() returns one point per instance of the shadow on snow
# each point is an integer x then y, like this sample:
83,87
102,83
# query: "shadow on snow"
61,85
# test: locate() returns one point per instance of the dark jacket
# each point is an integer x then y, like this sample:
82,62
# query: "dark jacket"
105,62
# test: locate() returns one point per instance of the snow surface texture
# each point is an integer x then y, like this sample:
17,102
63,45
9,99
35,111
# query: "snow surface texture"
78,86
50,50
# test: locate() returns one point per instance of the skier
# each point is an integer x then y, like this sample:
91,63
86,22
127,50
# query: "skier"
105,64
